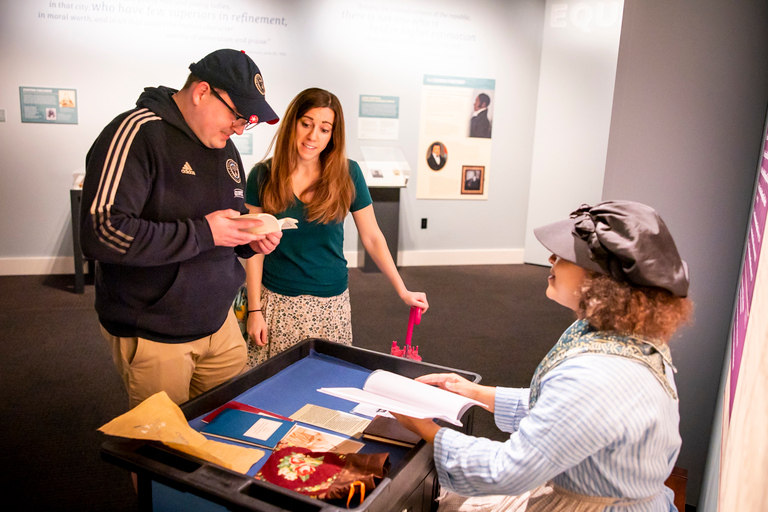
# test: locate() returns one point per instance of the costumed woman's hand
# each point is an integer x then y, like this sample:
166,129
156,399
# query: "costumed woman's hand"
418,299
425,428
461,386
450,382
257,328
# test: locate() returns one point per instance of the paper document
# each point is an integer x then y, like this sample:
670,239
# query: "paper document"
341,422
402,395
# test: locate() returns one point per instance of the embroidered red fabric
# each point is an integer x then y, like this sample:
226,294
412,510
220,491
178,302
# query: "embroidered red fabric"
323,475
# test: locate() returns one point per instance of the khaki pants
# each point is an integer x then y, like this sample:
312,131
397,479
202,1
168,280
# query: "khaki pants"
182,370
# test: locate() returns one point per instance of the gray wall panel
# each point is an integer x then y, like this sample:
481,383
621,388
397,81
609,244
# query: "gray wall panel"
689,106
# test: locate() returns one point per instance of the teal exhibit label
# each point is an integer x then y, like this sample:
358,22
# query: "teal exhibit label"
48,105
386,107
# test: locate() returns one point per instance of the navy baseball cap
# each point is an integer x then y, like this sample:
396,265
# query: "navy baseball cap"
623,239
237,74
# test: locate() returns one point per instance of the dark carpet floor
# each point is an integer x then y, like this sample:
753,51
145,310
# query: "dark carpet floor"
59,384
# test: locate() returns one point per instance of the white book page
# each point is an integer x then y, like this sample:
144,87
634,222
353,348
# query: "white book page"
392,405
271,223
406,396
406,390
288,223
370,411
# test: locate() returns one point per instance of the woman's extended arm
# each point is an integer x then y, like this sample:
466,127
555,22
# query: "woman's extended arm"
376,245
257,327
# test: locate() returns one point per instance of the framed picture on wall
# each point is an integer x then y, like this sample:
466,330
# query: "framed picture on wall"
472,179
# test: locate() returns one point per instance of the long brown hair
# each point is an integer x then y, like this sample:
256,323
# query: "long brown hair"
609,305
333,192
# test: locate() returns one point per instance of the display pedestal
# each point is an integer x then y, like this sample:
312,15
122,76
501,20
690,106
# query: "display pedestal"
386,207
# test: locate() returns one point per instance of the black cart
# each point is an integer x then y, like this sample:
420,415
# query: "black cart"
169,480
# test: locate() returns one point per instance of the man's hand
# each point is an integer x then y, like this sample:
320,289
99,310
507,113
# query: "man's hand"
267,244
227,232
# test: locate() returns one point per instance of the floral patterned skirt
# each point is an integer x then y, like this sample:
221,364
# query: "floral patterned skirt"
293,319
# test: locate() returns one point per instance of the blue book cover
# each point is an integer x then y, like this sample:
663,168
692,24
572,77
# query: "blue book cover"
248,427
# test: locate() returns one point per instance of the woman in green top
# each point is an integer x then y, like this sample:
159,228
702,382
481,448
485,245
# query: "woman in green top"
301,290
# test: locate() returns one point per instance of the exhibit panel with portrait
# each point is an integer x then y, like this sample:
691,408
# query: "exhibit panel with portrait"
455,138
48,105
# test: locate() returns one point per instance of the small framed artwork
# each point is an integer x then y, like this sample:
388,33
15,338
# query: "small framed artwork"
472,179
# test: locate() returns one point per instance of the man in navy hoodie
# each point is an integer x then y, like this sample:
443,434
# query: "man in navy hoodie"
163,183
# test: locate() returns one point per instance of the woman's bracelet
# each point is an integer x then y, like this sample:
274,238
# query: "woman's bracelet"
253,310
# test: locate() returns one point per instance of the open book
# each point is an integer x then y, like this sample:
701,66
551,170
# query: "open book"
271,223
408,397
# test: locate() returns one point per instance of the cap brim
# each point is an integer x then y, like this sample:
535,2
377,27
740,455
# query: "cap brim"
258,106
558,238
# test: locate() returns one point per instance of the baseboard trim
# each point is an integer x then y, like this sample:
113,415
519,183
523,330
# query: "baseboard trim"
37,266
450,257
66,264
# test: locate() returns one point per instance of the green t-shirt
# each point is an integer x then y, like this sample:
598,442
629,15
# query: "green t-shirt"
309,260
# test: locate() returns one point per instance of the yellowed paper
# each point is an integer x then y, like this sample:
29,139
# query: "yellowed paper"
342,422
236,458
159,419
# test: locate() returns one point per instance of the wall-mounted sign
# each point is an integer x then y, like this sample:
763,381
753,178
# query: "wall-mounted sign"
48,105
379,117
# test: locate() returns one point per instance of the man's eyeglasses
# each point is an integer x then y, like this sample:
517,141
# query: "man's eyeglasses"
240,120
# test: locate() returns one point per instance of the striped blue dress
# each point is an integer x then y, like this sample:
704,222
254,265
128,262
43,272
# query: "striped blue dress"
603,425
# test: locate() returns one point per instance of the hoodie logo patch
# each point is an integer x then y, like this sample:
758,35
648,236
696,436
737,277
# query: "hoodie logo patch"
239,193
233,170
187,169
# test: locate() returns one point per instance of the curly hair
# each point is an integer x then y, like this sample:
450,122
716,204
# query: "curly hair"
610,305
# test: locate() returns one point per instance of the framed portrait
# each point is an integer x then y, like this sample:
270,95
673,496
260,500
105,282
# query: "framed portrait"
472,179
437,155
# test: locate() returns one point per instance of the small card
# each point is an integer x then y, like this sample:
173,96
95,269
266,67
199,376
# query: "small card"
248,427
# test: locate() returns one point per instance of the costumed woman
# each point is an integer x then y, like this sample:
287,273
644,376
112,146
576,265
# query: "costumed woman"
301,290
598,428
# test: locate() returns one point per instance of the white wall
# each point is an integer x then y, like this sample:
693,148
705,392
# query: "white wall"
349,47
578,71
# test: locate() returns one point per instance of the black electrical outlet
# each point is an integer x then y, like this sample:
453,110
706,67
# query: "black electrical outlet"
423,223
